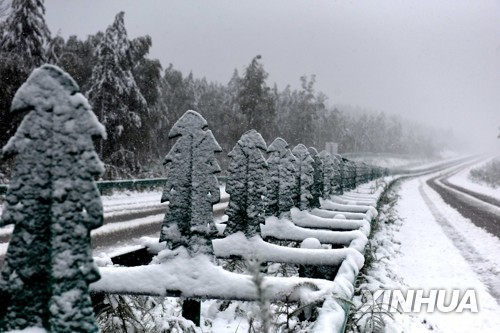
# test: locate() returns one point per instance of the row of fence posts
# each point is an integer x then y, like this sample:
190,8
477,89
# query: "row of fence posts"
52,194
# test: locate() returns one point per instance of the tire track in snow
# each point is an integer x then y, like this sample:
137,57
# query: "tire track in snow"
487,272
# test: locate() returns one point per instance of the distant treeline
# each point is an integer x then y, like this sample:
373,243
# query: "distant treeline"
138,101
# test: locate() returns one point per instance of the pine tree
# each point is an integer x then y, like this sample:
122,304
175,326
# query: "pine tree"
304,175
255,98
246,184
75,56
53,203
26,33
117,99
192,187
280,178
317,186
22,48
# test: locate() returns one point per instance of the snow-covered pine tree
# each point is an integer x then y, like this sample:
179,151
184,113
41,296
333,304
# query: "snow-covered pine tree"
192,187
317,186
26,33
328,173
304,175
280,178
115,96
246,184
22,48
53,203
255,98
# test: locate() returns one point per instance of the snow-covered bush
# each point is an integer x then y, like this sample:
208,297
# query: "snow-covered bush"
192,187
53,203
488,174
304,176
280,178
246,184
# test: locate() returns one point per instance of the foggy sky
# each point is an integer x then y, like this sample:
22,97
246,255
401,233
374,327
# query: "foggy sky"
433,61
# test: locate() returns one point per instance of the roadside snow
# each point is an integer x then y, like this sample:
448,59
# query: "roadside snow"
440,249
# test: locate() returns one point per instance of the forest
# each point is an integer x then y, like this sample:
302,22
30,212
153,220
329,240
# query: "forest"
138,100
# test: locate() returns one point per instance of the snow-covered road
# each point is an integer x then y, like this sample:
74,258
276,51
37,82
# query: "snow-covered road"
440,249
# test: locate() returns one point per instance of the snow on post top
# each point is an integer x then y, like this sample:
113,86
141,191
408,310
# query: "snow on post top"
278,145
246,184
251,139
190,122
53,203
192,187
40,87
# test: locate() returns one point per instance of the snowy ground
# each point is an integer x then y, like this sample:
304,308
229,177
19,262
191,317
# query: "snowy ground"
462,179
430,245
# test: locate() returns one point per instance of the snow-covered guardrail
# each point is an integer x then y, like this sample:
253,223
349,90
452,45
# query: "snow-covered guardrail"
259,188
177,274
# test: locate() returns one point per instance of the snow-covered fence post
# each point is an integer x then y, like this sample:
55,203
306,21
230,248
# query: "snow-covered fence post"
317,187
328,173
338,177
352,175
192,187
53,203
280,178
362,173
246,184
346,174
304,173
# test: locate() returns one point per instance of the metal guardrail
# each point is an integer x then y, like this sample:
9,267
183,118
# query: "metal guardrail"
127,184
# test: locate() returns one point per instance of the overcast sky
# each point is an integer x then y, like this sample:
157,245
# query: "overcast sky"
434,61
